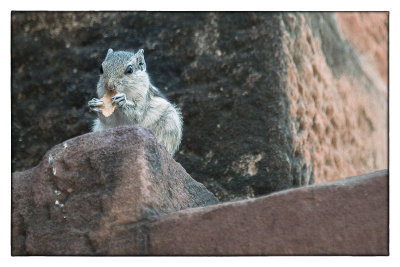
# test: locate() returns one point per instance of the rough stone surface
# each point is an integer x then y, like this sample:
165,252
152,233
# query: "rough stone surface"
89,188
368,33
269,100
338,111
344,217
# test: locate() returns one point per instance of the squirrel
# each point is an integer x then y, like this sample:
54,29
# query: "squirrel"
137,101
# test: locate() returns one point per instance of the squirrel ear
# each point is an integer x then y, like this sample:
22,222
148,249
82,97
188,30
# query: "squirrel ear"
140,59
109,52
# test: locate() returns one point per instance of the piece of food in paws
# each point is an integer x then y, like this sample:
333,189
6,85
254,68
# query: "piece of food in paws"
108,108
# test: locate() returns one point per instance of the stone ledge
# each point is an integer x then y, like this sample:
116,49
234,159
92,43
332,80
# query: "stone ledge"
345,217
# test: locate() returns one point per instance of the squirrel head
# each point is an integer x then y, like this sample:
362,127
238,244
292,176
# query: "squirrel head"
123,71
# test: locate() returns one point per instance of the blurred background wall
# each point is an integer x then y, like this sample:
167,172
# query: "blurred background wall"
270,100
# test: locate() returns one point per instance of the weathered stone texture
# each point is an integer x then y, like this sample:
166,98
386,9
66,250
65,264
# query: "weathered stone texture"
344,217
338,112
87,188
368,33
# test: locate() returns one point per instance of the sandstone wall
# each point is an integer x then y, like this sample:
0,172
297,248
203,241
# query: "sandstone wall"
338,110
368,33
270,100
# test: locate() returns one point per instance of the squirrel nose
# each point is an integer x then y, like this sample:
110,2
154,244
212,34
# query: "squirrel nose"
110,84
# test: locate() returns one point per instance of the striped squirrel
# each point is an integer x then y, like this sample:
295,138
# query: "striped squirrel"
137,101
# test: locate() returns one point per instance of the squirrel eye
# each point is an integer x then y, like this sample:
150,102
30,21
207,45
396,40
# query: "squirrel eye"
101,69
129,69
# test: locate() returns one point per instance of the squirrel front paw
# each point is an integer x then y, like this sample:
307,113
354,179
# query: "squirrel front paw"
94,104
119,99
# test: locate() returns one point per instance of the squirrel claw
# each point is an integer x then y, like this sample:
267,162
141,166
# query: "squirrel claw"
95,109
95,103
119,99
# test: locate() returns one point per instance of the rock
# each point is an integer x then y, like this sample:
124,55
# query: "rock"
270,101
368,34
89,187
338,109
344,217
